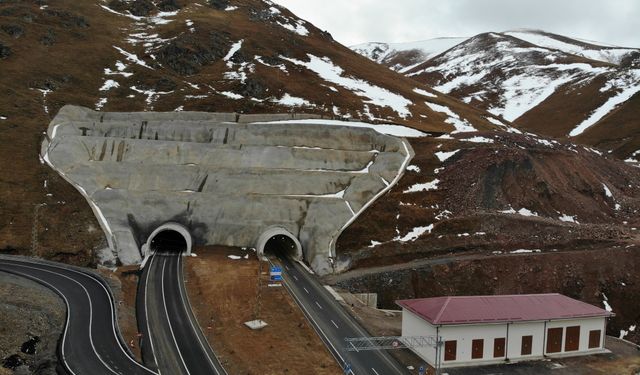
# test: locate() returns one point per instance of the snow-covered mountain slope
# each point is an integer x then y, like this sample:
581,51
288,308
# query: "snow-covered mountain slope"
545,83
403,56
588,49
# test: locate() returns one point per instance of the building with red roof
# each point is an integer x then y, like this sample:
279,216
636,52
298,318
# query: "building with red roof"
478,330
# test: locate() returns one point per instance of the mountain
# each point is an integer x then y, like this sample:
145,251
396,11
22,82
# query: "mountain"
244,56
544,83
404,56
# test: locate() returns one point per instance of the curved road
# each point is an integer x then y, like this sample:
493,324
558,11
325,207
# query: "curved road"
90,342
170,329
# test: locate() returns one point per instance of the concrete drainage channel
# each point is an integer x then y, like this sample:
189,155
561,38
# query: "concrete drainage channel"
217,178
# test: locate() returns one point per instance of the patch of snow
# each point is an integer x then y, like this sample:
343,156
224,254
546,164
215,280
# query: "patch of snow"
234,257
389,129
413,168
607,192
133,58
375,243
292,101
424,93
568,219
109,84
605,302
454,119
478,139
433,185
3,117
524,251
279,66
230,94
415,233
234,48
229,8
526,212
442,156
377,96
151,94
606,108
100,103
495,121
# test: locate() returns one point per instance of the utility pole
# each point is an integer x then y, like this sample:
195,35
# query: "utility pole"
256,310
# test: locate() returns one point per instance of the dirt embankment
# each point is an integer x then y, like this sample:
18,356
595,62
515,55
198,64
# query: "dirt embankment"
485,192
590,276
225,293
31,322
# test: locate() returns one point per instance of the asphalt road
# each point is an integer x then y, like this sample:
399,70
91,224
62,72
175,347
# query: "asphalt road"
90,342
169,327
333,323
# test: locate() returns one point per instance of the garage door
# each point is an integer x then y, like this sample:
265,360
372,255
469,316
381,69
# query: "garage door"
572,340
554,340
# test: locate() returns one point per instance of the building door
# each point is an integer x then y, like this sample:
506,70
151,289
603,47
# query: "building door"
554,340
572,339
527,343
498,347
477,349
450,350
594,339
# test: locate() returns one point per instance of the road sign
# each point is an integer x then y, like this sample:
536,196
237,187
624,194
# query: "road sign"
276,277
421,370
347,368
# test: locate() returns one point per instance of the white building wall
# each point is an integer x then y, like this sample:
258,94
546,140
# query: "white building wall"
586,325
412,325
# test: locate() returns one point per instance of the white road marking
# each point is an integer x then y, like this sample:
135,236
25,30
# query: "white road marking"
354,347
318,305
374,370
166,311
305,289
295,277
334,323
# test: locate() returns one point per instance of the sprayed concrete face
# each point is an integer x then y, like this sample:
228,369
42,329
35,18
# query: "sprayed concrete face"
223,181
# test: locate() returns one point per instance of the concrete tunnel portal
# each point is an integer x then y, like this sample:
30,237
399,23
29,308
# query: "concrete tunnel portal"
279,242
169,238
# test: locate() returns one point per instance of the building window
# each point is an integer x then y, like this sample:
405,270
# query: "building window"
554,340
527,342
572,339
498,347
594,339
450,350
477,349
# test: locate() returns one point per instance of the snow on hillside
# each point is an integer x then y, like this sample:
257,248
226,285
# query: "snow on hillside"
591,51
423,50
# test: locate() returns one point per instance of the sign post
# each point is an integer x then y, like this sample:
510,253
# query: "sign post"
275,274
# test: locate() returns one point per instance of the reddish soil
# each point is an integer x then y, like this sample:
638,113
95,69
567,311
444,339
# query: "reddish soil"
224,294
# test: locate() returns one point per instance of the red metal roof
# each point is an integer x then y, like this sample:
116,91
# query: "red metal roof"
495,309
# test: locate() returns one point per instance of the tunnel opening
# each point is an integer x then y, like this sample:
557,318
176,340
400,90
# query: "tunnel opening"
168,241
281,246
279,242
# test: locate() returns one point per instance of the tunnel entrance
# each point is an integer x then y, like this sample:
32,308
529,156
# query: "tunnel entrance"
168,241
281,246
168,238
279,242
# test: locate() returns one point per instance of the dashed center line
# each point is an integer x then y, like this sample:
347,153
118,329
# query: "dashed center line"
334,323
318,305
374,370
305,289
295,277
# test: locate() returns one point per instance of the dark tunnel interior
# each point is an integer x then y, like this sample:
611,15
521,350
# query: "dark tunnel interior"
281,246
168,241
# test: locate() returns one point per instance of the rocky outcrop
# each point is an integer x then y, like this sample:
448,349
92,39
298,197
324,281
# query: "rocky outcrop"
227,182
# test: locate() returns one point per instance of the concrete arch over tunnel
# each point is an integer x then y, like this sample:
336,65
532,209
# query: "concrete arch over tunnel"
169,237
279,241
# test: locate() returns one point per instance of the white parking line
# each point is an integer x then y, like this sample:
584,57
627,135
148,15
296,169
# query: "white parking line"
334,323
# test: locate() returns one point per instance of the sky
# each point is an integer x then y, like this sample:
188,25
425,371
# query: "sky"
357,21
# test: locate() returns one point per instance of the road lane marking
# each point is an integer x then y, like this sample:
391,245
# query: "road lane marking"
166,311
189,316
374,370
334,323
305,289
318,305
354,347
295,277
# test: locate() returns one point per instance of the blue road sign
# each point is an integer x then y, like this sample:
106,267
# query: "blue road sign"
275,269
347,368
276,277
421,370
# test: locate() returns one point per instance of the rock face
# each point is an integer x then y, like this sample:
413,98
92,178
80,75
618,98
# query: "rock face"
225,179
